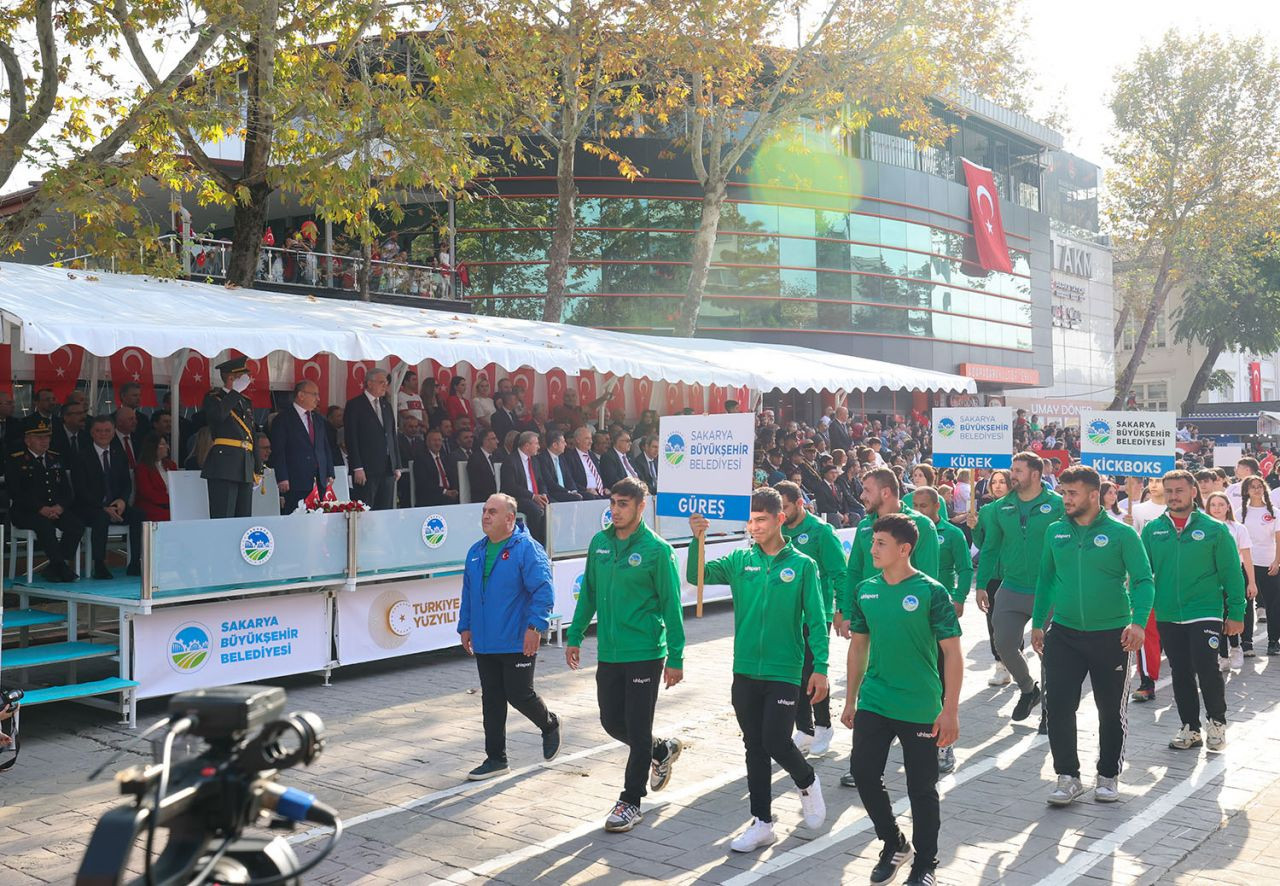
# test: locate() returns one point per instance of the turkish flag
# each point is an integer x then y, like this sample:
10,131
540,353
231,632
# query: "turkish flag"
1255,384
693,398
317,370
718,396
1266,464
524,377
133,365
644,394
259,391
556,383
988,229
586,389
743,396
674,400
194,382
618,400
356,370
443,375
6,369
60,370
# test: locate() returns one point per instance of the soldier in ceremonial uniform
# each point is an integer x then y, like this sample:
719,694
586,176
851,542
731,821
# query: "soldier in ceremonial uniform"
232,467
40,492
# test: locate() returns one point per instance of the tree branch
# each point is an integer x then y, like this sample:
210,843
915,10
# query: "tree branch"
23,126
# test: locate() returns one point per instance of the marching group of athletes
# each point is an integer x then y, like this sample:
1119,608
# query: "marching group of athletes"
1096,584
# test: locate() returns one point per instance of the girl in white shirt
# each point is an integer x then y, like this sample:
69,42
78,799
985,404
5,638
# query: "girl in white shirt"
1219,508
482,405
1259,517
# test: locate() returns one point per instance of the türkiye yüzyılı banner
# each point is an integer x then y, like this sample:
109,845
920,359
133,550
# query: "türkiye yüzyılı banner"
1133,444
973,438
706,466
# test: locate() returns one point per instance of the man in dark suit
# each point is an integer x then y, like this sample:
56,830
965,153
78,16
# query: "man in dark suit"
70,438
647,463
584,466
369,427
103,487
616,462
838,431
232,467
524,481
463,443
827,500
333,421
131,396
504,420
435,475
300,453
41,499
550,461
411,442
480,474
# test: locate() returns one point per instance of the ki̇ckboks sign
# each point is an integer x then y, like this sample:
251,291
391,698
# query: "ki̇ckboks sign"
973,438
1135,444
705,466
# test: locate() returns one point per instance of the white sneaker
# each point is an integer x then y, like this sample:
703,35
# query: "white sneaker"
1001,676
1068,789
1237,658
802,740
1224,664
1186,739
822,736
1107,791
758,834
813,806
1215,738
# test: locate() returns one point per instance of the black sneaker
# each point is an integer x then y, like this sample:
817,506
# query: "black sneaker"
488,769
551,740
847,781
892,857
1043,728
1273,649
1026,702
923,876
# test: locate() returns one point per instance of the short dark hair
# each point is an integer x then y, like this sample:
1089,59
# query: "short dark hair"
1185,476
900,526
552,436
1031,460
767,500
1251,462
884,477
788,490
101,420
929,492
629,487
618,435
1081,474
1205,475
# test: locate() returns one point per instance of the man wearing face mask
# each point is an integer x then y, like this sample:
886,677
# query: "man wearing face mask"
232,467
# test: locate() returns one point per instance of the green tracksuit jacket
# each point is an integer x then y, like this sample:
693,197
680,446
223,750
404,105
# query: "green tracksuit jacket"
819,541
773,597
634,587
986,514
924,558
1193,568
955,566
1013,547
1083,573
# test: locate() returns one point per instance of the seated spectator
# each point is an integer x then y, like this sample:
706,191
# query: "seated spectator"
480,467
42,499
201,443
508,448
523,480
333,420
506,416
433,411
434,475
103,488
456,403
482,405
616,463
152,478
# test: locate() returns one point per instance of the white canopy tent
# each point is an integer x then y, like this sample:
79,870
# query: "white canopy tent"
45,308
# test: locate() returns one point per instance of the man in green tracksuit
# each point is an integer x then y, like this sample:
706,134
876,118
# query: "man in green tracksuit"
1095,582
1195,561
818,540
955,573
1014,541
632,585
881,493
776,593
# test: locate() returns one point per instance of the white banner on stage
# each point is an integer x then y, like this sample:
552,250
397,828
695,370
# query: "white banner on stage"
397,618
236,641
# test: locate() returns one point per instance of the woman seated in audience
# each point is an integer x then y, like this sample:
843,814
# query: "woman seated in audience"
152,478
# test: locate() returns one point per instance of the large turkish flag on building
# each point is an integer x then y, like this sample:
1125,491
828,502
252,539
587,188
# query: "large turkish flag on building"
1255,383
988,228
60,370
133,365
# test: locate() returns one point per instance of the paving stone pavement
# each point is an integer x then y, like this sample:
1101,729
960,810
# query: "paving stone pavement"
401,736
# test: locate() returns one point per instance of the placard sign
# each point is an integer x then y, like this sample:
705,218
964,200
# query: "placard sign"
973,438
705,466
390,619
1133,444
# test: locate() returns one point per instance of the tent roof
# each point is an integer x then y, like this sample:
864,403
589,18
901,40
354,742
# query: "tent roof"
104,313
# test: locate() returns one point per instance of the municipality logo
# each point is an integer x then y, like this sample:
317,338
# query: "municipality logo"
1046,508
1198,534
946,427
1213,641
1099,432
675,449
606,519
1101,540
257,545
848,547
635,559
803,538
434,531
577,586
911,602
189,647
787,574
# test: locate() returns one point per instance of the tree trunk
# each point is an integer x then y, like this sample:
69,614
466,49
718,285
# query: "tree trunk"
1201,378
1159,295
248,224
700,264
562,237
1121,322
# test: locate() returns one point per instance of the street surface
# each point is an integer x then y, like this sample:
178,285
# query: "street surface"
401,736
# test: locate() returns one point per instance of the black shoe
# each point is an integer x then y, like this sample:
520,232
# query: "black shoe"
1026,702
923,876
100,571
892,857
487,769
1043,728
551,740
135,569
1273,649
847,781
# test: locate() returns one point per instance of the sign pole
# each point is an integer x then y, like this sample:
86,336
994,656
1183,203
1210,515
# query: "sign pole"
702,570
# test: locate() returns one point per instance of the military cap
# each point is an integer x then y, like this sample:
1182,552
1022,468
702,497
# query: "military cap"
235,364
